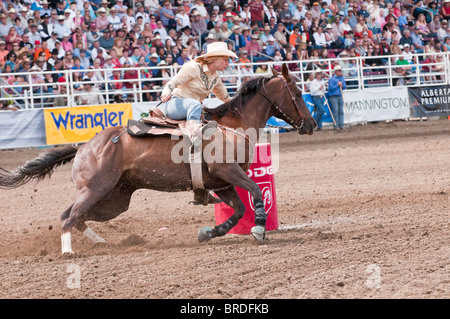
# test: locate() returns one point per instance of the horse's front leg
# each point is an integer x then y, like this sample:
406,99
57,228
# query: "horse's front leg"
233,174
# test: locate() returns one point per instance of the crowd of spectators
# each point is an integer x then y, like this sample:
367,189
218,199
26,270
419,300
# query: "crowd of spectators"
55,35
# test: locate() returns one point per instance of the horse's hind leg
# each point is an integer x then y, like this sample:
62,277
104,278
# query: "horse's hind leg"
71,217
115,202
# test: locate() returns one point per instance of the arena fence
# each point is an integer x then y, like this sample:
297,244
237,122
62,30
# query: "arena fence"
375,93
32,90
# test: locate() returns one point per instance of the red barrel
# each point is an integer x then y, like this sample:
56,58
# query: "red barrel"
261,172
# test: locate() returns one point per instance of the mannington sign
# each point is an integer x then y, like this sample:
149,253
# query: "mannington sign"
377,105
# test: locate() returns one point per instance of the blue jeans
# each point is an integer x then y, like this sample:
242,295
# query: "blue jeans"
319,110
178,108
337,107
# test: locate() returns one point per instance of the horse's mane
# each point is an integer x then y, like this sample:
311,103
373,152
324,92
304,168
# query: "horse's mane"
247,91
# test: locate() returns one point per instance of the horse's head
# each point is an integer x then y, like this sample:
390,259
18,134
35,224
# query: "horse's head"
289,104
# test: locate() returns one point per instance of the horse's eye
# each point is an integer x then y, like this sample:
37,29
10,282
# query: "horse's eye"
299,94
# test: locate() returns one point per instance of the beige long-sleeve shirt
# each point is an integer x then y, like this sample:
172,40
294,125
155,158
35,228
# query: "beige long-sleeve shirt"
197,82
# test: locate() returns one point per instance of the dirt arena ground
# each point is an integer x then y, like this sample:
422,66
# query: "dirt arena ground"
363,214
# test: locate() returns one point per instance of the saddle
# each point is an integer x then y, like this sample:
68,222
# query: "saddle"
156,123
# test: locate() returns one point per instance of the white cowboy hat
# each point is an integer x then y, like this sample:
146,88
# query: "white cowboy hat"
318,71
218,49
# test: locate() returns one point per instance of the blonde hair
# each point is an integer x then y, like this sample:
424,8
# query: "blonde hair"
209,59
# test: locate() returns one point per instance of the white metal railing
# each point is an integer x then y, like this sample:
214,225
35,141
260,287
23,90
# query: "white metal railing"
31,90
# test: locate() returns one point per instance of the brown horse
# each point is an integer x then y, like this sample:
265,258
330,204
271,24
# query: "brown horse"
106,174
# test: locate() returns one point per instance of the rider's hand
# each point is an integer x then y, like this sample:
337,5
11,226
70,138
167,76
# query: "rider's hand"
165,98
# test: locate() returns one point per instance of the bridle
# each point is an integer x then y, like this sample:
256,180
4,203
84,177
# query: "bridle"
290,121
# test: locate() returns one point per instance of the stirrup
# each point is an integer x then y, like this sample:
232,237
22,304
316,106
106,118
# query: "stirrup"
207,130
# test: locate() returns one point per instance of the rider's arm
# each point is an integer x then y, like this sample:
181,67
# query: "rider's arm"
186,73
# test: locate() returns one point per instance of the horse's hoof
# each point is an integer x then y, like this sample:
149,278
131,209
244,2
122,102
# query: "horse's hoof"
204,234
259,232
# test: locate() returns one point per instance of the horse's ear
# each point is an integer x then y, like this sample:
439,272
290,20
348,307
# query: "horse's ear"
274,72
285,72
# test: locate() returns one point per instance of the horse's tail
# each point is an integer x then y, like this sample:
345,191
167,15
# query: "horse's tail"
38,168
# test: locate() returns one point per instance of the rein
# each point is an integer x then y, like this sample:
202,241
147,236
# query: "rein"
280,111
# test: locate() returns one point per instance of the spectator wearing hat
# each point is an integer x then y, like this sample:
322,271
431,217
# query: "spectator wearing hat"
407,53
84,59
42,50
243,56
113,18
45,9
61,28
51,42
352,19
271,46
332,41
253,48
299,12
153,62
445,10
237,38
417,41
65,43
199,29
34,34
106,41
317,89
142,12
336,85
186,34
315,10
45,28
12,14
264,36
441,33
92,35
102,20
245,14
23,16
